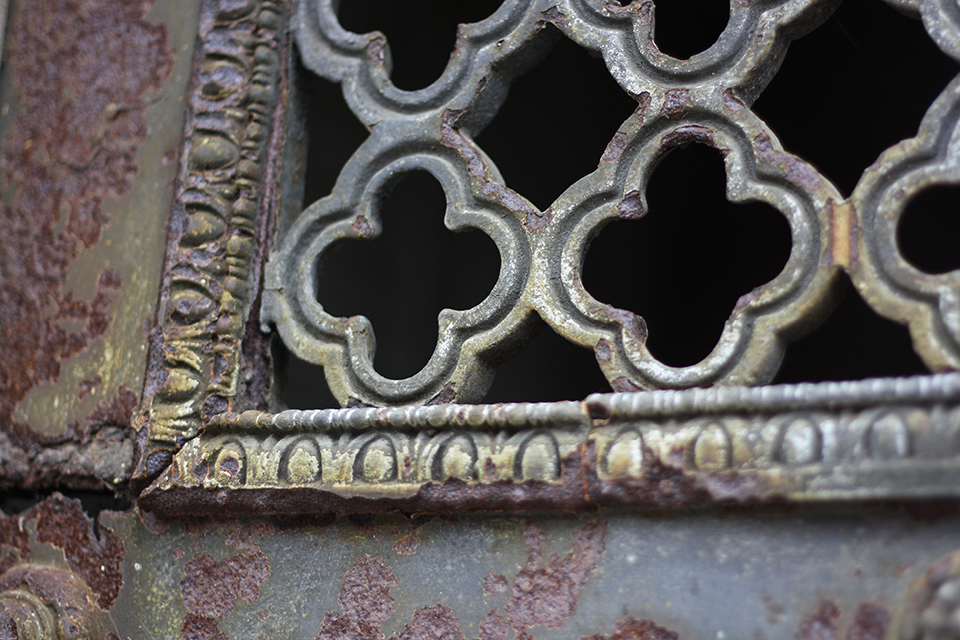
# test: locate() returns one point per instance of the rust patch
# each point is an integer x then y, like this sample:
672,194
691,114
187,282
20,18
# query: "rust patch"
631,628
631,207
364,600
74,611
686,135
633,325
675,103
603,351
822,624
431,623
732,102
62,523
71,147
545,594
663,485
362,226
96,460
493,626
643,13
375,49
447,395
407,544
494,584
625,385
552,15
8,627
542,595
615,148
201,628
796,171
210,589
870,622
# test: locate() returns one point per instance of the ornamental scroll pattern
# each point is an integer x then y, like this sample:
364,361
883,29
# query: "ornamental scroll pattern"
210,275
705,99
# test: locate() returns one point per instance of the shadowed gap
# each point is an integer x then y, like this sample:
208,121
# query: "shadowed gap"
403,278
679,35
684,265
853,87
555,124
853,343
421,36
929,230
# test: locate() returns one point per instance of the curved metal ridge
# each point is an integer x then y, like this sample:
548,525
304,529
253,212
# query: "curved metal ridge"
778,398
600,407
705,99
512,416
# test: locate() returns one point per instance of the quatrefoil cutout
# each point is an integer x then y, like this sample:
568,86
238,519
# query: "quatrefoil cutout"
432,129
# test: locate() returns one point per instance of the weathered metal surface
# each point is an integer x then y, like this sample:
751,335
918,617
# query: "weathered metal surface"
59,577
225,201
704,99
876,439
857,573
849,574
732,529
86,179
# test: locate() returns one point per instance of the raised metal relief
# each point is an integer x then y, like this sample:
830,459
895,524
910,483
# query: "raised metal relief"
727,445
705,99
733,442
210,275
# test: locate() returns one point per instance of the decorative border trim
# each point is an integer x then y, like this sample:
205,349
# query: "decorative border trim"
212,268
876,439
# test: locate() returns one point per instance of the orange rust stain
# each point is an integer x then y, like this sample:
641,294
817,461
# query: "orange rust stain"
843,233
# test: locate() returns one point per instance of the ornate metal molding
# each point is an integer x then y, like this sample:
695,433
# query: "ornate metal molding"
877,439
732,443
218,223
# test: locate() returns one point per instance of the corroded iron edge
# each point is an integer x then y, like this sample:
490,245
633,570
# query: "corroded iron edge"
876,439
218,227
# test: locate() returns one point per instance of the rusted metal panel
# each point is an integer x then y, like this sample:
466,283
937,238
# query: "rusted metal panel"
798,511
857,573
91,119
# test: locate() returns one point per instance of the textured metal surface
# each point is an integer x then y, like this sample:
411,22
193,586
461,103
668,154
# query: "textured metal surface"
879,439
87,186
60,574
227,189
704,99
813,512
855,574
874,439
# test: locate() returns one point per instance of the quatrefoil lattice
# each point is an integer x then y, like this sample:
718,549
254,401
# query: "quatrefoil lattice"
705,99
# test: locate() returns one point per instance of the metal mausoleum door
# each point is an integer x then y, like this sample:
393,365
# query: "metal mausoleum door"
201,439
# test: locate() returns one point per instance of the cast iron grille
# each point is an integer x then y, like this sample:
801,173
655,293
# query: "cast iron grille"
705,99
710,432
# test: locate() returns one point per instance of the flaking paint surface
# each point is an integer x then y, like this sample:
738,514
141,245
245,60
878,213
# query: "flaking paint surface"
88,171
